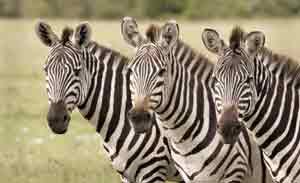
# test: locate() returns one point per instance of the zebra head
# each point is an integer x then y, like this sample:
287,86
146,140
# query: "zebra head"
233,83
67,77
148,70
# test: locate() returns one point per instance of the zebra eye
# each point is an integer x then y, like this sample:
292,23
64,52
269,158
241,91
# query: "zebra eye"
214,80
249,79
161,72
77,71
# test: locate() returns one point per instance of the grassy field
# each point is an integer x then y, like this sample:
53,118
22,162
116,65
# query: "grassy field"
29,152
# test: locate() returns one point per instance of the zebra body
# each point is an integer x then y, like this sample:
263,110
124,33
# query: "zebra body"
197,140
94,79
272,109
133,155
175,86
275,122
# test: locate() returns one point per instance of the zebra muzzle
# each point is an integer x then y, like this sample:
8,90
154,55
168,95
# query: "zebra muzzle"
58,117
141,121
228,125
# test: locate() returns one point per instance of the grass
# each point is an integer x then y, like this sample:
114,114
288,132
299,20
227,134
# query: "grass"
29,152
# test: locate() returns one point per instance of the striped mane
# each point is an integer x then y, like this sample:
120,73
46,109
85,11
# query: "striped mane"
152,33
236,38
287,67
66,34
93,46
194,52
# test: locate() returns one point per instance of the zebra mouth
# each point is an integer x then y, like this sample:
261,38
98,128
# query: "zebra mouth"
58,118
229,139
228,125
60,131
229,133
141,121
60,127
141,127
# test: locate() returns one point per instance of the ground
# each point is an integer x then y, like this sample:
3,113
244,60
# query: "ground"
29,151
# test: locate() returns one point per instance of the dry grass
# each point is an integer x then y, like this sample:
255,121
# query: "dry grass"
29,152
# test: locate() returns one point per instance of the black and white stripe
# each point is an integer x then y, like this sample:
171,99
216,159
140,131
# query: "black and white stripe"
94,79
272,113
177,86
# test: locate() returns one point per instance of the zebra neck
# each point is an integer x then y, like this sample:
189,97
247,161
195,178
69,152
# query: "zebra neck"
262,74
277,124
277,106
187,110
106,102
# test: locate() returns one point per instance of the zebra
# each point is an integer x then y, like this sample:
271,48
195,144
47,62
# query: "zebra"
258,89
82,74
171,82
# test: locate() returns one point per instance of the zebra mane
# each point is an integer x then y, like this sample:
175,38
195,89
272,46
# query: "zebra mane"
196,56
287,67
152,32
236,38
93,47
66,34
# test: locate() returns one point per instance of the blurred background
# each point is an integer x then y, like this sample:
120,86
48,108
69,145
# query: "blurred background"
113,9
29,152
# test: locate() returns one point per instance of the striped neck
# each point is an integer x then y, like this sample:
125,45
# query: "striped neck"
107,84
92,67
263,83
273,83
188,96
275,121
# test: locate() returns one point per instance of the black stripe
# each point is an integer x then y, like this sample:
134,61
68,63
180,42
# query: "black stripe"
264,110
97,89
152,172
154,143
282,126
138,151
152,161
117,104
107,93
127,127
214,155
222,161
291,131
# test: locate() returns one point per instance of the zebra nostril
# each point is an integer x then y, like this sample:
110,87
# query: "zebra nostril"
236,129
148,116
131,114
66,118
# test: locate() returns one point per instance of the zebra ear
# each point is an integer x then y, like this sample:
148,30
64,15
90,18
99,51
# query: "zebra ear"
45,34
83,34
254,41
130,32
212,41
169,34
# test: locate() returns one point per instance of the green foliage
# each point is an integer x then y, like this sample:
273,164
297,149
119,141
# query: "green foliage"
148,8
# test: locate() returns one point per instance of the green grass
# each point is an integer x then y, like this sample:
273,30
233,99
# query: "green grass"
29,152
